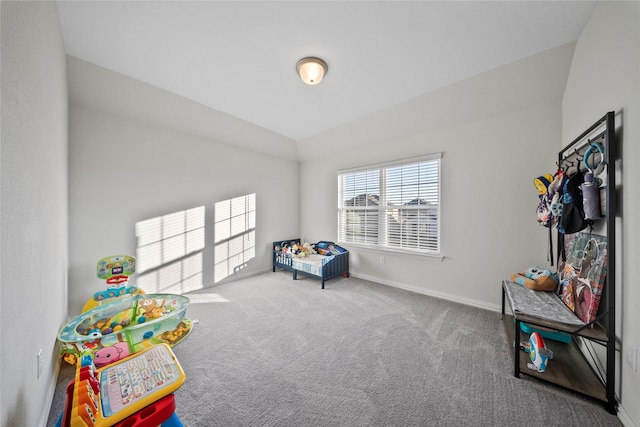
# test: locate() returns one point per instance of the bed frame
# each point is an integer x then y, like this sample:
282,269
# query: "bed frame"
322,267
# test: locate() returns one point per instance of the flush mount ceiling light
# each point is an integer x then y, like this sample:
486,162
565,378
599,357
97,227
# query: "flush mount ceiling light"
311,70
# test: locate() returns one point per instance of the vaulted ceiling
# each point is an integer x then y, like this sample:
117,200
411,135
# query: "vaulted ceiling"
239,57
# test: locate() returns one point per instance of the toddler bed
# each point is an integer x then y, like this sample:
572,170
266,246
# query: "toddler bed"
330,261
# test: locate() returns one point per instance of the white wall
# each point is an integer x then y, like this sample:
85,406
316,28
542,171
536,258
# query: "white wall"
137,162
507,132
33,200
497,131
605,77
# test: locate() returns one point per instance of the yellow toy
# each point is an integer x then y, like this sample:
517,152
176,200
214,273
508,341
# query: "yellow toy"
115,270
542,183
136,390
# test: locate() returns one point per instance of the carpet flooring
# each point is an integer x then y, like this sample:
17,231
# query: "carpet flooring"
270,351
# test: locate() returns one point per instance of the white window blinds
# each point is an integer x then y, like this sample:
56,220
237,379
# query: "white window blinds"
394,205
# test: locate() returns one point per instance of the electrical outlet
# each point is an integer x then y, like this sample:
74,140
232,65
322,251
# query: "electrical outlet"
632,357
381,260
40,361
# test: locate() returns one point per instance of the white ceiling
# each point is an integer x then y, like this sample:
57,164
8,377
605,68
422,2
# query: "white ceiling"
239,57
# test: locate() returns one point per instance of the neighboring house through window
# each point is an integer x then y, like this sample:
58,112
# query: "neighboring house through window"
393,206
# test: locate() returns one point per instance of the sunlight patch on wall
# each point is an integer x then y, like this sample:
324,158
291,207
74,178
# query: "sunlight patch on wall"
169,252
235,237
177,277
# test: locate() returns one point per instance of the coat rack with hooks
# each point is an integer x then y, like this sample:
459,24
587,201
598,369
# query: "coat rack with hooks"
581,365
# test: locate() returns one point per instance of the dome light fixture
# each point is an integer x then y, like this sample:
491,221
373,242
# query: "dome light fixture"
311,70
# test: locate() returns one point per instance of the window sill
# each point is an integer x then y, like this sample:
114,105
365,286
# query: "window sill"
431,256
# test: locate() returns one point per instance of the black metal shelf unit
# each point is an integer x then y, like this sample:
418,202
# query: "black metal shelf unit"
574,368
607,314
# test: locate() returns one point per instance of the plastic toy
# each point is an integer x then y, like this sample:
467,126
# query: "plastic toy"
537,279
115,270
107,355
116,396
538,353
124,326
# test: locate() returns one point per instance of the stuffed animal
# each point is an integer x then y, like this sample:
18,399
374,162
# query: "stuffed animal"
302,250
537,279
554,194
107,355
308,248
296,249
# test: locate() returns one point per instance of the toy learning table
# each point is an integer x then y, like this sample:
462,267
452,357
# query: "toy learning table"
138,387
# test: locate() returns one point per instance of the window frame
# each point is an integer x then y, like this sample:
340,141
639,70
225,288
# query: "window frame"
382,209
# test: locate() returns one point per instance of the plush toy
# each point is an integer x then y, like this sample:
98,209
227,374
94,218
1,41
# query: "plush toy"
537,279
308,248
302,250
554,193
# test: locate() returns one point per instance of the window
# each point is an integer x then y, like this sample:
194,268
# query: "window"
392,206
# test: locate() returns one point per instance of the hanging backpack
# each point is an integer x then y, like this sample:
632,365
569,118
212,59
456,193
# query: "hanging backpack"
543,212
573,217
549,205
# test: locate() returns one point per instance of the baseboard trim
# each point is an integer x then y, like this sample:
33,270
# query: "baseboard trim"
624,418
440,295
46,409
